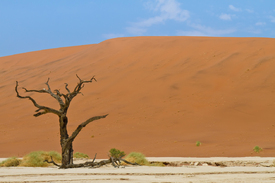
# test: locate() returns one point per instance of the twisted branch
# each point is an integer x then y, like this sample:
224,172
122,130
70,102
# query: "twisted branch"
40,107
79,128
78,87
52,162
92,164
66,87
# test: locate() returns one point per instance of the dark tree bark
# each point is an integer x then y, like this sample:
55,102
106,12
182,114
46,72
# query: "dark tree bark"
64,101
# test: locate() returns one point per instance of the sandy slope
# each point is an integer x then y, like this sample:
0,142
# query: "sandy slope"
162,95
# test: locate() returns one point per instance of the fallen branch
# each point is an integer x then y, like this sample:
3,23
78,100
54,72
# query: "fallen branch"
116,162
52,162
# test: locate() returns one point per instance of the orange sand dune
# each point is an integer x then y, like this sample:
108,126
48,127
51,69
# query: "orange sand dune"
162,95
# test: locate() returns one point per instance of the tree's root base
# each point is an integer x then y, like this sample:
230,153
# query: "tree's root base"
116,162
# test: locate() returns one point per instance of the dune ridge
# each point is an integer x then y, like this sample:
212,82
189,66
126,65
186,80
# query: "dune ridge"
162,95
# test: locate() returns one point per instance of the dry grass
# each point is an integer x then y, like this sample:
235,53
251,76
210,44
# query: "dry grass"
80,155
135,157
13,161
37,158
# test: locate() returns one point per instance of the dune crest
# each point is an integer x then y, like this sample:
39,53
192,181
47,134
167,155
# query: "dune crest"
162,95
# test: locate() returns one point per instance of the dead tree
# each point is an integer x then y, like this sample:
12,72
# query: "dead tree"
64,101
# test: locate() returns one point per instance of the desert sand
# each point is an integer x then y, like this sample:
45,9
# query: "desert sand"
162,95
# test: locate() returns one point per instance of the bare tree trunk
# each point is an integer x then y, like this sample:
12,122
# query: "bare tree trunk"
67,150
67,157
71,154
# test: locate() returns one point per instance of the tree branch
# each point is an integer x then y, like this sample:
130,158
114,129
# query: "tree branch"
52,162
79,86
82,125
129,162
46,109
79,128
38,91
94,158
66,87
49,91
114,161
57,97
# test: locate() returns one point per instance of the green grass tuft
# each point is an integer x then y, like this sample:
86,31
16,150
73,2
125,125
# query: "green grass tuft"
13,161
80,155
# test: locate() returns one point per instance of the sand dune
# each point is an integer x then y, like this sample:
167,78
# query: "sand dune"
162,95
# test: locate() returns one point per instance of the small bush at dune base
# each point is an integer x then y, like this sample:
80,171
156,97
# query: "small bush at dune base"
80,155
198,143
257,149
13,161
37,158
115,153
135,157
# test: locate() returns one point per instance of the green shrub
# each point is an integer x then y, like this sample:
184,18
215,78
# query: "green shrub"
135,157
80,155
13,161
115,153
198,143
37,158
257,149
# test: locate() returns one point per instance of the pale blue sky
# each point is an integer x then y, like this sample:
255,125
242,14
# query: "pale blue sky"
29,25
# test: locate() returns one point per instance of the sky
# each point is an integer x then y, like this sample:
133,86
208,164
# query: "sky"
30,25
